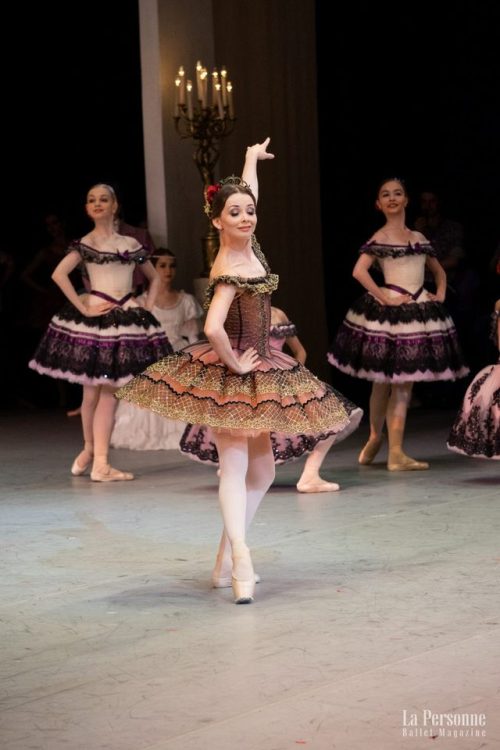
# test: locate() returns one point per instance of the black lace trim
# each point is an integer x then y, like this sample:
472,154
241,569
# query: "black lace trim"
193,445
282,330
360,350
79,357
397,251
477,434
116,317
368,306
91,255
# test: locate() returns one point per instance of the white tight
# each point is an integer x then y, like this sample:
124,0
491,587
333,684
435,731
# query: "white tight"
246,473
98,413
315,459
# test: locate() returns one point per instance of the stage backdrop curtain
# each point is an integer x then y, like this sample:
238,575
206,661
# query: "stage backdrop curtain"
269,48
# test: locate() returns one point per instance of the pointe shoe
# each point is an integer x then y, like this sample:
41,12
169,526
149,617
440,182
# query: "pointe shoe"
406,463
108,474
369,451
77,470
243,588
317,485
225,582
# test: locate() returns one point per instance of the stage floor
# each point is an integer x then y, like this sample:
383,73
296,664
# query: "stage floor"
379,605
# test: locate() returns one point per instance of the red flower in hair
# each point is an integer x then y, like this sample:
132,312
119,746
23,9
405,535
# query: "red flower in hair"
211,192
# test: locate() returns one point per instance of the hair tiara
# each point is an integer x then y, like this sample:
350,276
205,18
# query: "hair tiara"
211,190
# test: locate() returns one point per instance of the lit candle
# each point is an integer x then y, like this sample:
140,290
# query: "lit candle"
215,81
190,100
176,102
223,78
203,79
199,68
219,100
182,87
230,99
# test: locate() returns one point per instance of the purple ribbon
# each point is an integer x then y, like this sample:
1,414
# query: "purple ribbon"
107,297
400,289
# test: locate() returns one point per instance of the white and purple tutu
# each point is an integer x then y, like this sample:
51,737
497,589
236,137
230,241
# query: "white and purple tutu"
106,349
405,343
476,429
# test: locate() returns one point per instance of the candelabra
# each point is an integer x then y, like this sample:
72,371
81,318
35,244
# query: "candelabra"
206,117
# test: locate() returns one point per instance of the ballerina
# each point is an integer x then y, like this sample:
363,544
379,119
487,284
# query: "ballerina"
180,317
397,333
234,382
103,338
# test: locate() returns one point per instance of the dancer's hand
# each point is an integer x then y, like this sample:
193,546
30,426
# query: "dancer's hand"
438,297
401,299
259,150
93,311
248,361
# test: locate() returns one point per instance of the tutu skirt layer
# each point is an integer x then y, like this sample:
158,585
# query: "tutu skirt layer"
281,395
199,442
103,350
397,344
476,430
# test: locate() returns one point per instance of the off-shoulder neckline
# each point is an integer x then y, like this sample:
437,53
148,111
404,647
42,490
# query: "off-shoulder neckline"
405,245
107,252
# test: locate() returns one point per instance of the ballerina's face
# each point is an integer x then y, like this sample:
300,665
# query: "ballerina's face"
166,268
238,217
392,198
100,203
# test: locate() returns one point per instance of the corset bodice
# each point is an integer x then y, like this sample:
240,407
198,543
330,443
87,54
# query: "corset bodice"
248,320
115,280
406,272
110,272
249,315
402,265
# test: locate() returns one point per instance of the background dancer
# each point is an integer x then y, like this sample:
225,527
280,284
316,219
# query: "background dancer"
397,333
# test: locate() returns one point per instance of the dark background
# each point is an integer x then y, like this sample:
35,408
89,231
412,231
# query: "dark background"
403,92
399,93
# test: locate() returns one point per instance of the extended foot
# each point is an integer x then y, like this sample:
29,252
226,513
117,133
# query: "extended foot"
225,581
243,576
402,462
106,473
316,485
81,463
369,451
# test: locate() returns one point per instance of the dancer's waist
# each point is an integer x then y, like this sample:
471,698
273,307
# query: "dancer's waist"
402,290
103,295
242,343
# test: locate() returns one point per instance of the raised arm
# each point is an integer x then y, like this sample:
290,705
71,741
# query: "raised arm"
216,334
255,153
